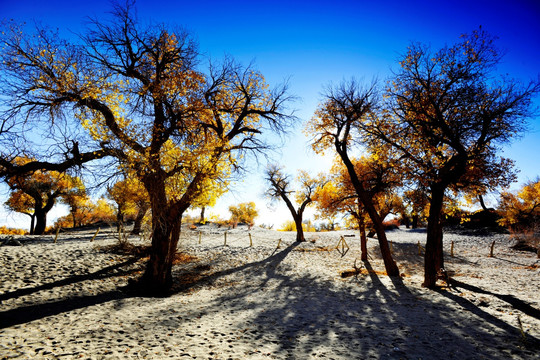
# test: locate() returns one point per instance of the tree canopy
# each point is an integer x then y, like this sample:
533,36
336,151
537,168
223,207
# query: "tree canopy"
136,93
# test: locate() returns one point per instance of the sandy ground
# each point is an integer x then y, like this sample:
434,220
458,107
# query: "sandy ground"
64,300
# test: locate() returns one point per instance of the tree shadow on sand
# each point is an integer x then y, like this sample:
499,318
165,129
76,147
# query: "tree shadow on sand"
40,310
300,315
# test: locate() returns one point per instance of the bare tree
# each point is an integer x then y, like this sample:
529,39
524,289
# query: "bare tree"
280,187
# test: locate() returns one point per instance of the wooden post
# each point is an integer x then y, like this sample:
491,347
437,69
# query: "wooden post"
278,244
391,248
491,250
56,236
199,237
250,240
452,249
93,237
225,237
419,248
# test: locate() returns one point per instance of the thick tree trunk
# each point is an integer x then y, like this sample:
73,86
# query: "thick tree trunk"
41,221
157,278
166,226
434,258
32,223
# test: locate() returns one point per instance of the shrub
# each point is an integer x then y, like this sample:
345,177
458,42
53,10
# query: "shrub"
11,231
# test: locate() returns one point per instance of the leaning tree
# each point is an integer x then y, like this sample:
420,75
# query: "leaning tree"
339,124
135,93
446,116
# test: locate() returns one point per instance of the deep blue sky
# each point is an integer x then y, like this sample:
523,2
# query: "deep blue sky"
314,43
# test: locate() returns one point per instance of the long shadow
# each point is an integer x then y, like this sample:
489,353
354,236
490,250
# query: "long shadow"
270,263
101,274
29,313
298,314
33,312
510,299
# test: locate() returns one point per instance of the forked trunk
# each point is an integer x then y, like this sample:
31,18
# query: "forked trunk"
434,258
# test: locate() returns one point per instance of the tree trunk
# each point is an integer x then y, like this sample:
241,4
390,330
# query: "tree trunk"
32,223
363,238
138,221
166,226
299,229
157,278
482,203
201,218
367,200
415,221
434,258
41,221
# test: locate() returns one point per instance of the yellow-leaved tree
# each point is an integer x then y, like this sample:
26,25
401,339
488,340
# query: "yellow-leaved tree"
35,194
379,179
338,125
140,97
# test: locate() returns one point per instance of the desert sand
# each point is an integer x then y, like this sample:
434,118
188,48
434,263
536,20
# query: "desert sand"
65,300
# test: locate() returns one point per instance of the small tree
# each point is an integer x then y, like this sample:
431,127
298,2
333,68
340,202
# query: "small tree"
280,187
243,213
76,198
36,193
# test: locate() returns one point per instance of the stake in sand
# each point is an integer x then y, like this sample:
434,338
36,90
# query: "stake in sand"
93,237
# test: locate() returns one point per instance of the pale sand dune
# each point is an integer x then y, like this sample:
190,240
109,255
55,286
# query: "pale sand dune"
62,301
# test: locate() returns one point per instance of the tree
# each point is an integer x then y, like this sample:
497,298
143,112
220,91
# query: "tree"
339,195
131,200
521,212
447,115
243,213
280,187
35,194
140,98
338,123
76,198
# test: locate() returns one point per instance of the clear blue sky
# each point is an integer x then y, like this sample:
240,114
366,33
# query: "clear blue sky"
314,43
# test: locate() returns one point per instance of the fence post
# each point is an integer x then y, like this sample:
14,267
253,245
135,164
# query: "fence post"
452,249
250,240
199,237
491,250
225,237
93,237
56,236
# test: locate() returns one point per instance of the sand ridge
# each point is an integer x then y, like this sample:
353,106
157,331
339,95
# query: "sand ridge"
64,300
